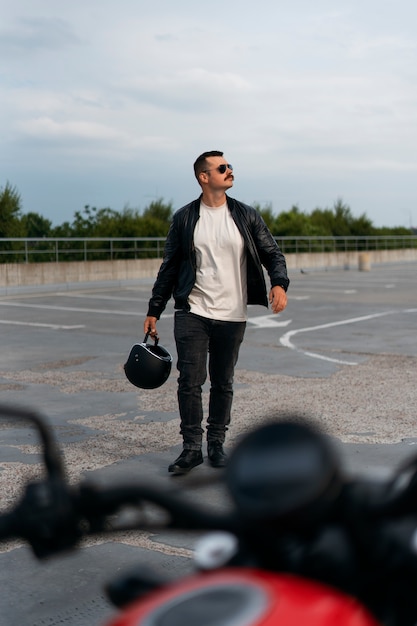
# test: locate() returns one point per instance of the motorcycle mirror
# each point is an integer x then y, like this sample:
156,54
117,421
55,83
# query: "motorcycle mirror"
284,472
52,456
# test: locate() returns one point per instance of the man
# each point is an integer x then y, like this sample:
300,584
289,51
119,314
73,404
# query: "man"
212,265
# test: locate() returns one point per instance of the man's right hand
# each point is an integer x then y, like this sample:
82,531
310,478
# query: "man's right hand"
149,326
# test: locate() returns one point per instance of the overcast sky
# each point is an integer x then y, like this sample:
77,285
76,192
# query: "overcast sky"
108,103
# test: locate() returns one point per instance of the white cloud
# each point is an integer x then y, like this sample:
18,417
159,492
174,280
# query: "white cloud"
47,128
125,96
31,34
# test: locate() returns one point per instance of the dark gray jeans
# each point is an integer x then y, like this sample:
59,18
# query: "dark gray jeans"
196,339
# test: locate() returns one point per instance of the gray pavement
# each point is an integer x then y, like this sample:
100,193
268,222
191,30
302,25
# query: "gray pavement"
344,353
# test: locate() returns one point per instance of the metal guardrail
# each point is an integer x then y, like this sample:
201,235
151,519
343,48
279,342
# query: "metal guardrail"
60,249
346,244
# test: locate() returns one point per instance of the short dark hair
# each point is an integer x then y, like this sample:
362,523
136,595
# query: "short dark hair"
201,163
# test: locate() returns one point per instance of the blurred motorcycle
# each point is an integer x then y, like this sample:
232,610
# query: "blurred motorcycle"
301,542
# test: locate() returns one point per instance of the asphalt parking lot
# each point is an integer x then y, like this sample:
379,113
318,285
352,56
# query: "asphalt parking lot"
343,353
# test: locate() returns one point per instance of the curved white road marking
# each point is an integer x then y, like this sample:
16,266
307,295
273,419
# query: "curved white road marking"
285,340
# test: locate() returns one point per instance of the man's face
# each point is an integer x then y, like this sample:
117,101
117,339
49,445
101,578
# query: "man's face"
219,178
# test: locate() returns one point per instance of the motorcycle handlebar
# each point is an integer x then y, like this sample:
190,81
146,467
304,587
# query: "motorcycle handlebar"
7,526
282,478
52,515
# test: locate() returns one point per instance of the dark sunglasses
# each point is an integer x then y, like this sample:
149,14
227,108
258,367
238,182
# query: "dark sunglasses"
222,168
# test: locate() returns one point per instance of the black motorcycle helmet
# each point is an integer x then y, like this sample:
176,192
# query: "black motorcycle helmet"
148,366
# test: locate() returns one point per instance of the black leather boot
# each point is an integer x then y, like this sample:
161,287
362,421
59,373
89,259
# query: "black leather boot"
186,461
216,454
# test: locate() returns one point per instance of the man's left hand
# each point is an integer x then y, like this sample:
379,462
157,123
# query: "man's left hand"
277,299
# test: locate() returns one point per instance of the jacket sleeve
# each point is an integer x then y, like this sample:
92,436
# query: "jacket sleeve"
167,274
269,252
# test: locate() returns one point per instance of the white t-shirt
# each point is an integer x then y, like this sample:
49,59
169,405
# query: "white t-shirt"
220,289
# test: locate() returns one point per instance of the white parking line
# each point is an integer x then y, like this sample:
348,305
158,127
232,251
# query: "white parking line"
51,307
99,297
54,326
285,340
262,321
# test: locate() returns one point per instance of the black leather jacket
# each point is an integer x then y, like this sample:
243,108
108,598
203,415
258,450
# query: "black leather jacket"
177,273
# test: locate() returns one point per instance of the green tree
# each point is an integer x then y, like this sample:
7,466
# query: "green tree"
161,211
153,222
62,230
294,223
123,223
362,225
156,219
84,222
10,212
266,213
35,225
323,221
339,221
395,230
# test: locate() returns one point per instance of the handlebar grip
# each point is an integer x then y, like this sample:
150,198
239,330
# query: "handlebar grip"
8,526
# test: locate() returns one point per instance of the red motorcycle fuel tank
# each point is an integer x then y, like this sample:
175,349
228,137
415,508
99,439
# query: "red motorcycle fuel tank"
245,597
